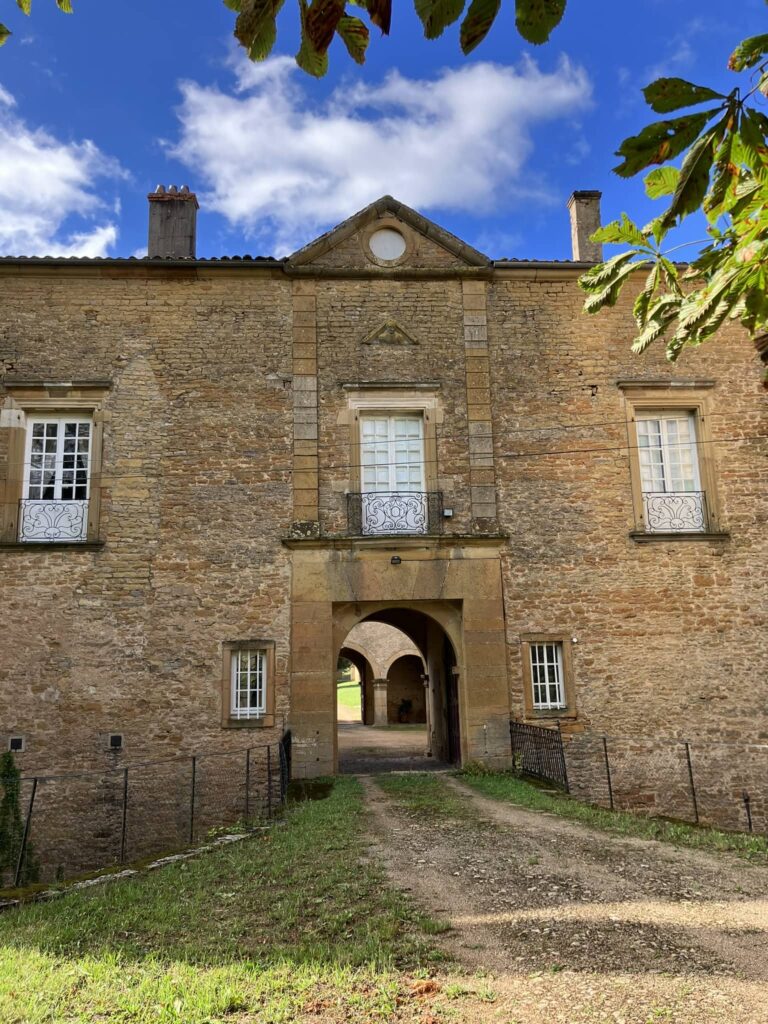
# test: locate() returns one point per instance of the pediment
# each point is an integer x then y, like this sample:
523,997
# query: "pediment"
389,333
350,245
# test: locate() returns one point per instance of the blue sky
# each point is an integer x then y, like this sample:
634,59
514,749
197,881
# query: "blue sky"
98,107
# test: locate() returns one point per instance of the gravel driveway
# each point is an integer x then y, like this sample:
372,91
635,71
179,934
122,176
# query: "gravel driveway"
576,925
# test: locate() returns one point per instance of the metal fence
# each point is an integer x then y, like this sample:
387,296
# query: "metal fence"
538,751
701,781
76,822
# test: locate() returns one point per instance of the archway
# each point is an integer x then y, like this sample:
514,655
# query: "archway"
412,718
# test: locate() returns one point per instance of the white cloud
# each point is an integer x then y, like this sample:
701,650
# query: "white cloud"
282,166
43,183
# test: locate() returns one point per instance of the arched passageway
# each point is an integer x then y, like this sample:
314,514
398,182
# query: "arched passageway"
409,694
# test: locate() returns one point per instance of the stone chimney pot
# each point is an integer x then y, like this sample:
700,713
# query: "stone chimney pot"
584,208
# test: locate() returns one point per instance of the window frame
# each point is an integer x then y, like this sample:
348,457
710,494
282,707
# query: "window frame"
672,400
565,643
231,650
28,401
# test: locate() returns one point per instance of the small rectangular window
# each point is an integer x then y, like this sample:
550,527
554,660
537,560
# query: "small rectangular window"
16,744
547,677
249,684
116,741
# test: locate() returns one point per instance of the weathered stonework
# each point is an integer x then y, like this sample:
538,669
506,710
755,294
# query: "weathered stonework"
229,449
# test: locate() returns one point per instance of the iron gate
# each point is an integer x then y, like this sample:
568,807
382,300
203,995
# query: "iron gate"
538,751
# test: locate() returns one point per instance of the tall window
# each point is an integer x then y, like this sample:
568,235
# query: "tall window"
547,676
392,474
249,684
57,465
673,499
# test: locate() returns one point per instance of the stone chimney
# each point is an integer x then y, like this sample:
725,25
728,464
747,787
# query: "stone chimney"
584,208
172,222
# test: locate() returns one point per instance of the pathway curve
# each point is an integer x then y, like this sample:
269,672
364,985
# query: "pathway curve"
576,925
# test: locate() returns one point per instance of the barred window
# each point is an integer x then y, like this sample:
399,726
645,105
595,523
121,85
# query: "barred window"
249,684
547,676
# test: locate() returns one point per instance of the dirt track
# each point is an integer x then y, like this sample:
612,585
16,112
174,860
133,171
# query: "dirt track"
574,925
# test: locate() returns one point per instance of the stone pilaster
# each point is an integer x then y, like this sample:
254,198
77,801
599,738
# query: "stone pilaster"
305,426
482,475
380,716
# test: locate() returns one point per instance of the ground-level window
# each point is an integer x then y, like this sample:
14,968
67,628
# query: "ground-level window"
249,684
57,464
547,678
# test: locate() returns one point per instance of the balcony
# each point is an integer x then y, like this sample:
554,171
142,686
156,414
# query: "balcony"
51,521
388,513
675,511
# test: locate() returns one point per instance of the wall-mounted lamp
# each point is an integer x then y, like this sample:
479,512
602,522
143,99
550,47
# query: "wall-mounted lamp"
395,560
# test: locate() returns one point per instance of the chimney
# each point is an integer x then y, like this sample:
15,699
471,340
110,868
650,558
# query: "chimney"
584,208
172,222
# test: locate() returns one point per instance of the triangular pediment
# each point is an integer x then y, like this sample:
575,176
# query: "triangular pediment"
345,245
389,333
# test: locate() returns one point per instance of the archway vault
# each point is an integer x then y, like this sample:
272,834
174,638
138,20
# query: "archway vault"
430,589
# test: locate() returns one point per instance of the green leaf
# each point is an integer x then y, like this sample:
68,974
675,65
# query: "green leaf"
256,26
4,33
355,35
536,19
476,25
694,178
724,180
610,294
620,232
748,53
661,315
753,141
643,300
320,21
596,278
234,5
309,58
667,94
65,6
660,142
24,5
437,15
662,181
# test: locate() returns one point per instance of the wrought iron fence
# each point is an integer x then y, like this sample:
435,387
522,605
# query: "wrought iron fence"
538,751
394,512
77,822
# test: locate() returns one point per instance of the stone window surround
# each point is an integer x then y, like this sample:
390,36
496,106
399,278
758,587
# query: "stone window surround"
643,398
566,643
228,649
49,398
392,399
409,236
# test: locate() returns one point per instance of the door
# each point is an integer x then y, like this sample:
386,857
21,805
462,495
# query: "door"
392,474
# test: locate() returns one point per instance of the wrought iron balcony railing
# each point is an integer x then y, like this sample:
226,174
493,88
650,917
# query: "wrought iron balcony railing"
675,511
53,520
395,512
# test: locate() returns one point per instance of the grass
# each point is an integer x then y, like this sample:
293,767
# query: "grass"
270,929
348,695
427,796
505,786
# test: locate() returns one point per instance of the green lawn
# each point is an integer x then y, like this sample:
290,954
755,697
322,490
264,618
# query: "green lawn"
271,929
505,786
348,695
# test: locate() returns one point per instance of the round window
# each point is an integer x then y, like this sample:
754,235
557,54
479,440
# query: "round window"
387,244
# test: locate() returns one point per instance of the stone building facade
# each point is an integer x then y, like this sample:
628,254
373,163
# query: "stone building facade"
212,470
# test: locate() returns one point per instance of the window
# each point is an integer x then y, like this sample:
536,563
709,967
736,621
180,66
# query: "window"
54,505
547,676
547,664
16,744
673,499
248,683
392,474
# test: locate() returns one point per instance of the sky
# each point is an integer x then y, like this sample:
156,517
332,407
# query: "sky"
98,107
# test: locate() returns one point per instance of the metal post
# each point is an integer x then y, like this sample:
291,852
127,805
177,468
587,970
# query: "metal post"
562,758
693,788
25,836
512,743
125,816
747,808
608,772
248,784
269,781
192,801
